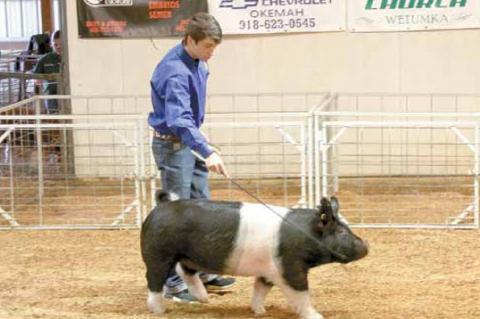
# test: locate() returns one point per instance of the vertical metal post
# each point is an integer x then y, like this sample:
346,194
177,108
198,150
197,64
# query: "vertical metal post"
63,85
64,144
10,87
39,158
303,167
285,177
22,89
310,146
22,25
476,178
7,22
11,180
334,152
143,208
259,170
65,68
324,148
316,152
138,172
40,19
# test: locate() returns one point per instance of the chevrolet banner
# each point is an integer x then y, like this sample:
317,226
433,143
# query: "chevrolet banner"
278,16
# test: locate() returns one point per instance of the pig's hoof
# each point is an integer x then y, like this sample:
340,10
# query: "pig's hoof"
203,300
156,308
258,310
155,303
200,296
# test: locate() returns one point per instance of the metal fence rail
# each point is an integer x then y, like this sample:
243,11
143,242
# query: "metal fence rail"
405,161
18,86
17,82
42,189
96,171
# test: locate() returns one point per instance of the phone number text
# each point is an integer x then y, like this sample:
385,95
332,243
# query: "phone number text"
277,24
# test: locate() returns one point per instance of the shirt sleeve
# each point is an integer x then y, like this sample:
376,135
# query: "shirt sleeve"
39,66
179,116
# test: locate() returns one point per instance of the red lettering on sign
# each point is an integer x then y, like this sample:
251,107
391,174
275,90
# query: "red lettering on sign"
152,5
160,14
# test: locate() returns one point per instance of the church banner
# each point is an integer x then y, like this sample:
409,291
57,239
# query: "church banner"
278,16
135,18
410,15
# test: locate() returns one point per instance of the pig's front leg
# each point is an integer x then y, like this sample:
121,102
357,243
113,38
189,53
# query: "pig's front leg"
300,302
295,289
260,291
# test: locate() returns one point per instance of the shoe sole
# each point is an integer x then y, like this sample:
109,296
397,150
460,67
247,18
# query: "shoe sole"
179,300
219,288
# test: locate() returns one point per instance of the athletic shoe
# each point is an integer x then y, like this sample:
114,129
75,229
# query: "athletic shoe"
182,297
219,283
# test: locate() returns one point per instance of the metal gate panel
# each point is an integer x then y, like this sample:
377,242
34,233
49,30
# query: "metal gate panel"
411,173
80,175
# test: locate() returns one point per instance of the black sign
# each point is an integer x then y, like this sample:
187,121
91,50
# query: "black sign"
135,18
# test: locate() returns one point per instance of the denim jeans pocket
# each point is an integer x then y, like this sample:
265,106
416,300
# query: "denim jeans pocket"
164,152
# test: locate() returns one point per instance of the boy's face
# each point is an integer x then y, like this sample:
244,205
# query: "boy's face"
202,50
57,45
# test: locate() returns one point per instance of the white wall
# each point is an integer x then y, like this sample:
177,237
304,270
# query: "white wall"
425,62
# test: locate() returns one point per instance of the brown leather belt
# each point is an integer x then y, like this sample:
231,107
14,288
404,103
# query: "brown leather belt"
164,137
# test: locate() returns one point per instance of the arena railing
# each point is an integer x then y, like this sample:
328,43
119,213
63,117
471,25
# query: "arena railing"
394,160
401,160
65,155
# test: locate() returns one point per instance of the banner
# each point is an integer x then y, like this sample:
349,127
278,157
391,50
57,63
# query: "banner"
409,15
135,18
278,16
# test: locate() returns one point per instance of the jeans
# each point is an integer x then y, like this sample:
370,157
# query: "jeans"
51,106
185,175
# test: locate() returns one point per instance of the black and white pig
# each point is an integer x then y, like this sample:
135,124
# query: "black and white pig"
276,247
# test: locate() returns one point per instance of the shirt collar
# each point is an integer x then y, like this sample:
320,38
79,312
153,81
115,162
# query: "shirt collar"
186,58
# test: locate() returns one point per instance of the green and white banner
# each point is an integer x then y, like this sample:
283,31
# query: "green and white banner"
278,16
408,15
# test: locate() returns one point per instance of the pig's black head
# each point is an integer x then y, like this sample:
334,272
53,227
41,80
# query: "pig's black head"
343,245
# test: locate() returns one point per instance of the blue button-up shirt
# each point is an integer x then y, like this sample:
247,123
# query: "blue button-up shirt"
178,97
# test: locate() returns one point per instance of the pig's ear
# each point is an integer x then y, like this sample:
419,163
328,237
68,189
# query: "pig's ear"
325,212
335,205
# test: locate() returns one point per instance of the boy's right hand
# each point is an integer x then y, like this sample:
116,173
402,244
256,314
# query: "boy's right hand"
215,164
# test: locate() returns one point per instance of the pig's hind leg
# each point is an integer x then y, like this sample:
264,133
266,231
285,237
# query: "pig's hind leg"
157,274
193,281
260,290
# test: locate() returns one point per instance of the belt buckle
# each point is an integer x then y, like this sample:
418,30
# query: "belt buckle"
176,146
163,137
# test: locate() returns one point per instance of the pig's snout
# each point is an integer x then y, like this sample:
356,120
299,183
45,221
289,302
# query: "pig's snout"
365,246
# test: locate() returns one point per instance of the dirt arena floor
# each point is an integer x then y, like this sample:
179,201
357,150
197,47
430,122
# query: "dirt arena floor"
99,274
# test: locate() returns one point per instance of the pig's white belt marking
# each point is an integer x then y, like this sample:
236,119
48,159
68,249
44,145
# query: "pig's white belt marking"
257,241
319,243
